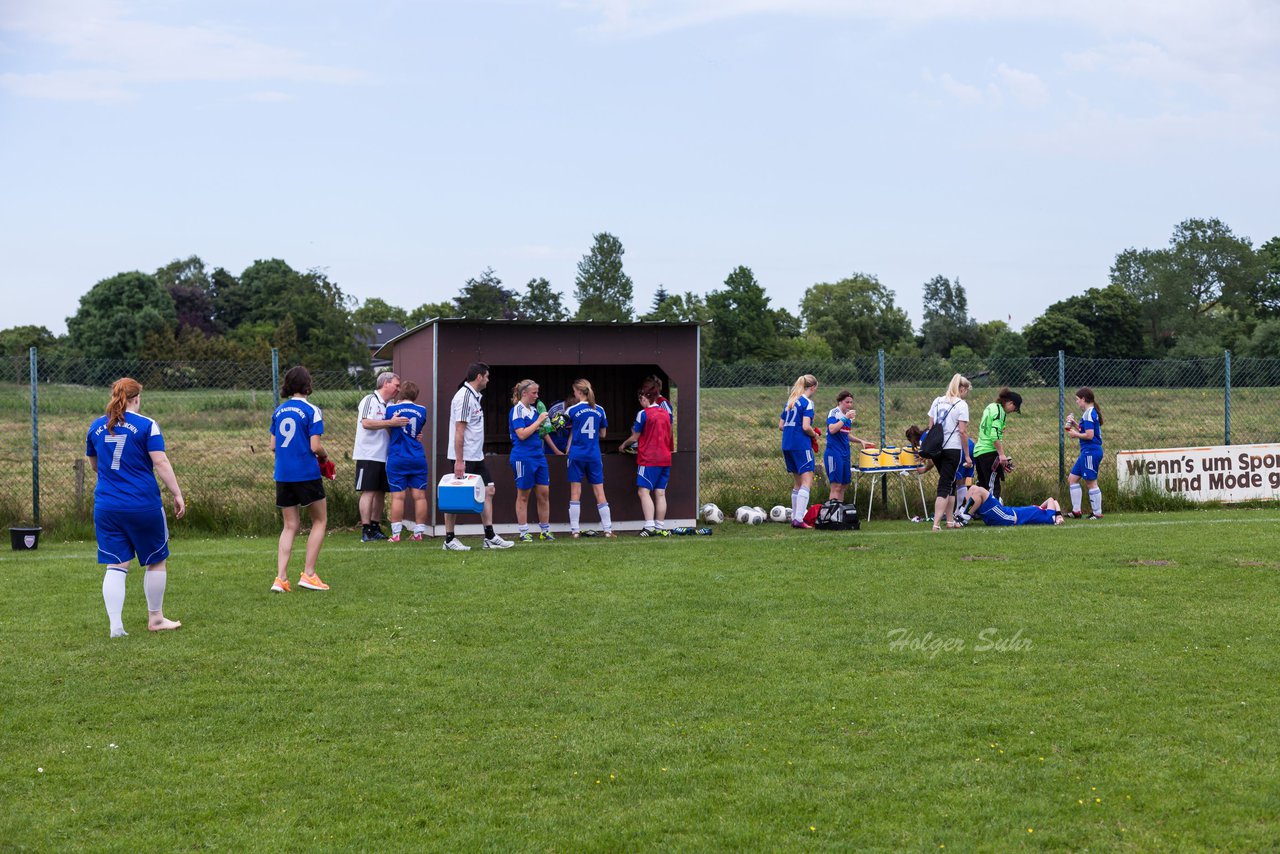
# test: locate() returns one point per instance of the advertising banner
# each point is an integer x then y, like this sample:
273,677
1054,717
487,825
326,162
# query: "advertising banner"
1220,473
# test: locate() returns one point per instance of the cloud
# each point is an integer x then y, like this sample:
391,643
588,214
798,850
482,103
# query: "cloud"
110,55
1024,86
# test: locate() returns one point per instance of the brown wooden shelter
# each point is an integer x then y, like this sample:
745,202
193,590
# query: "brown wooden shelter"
614,357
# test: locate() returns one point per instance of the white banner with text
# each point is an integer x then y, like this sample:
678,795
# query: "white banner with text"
1220,473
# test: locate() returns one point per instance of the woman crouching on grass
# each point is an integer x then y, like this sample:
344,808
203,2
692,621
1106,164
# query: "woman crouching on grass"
799,444
128,513
296,427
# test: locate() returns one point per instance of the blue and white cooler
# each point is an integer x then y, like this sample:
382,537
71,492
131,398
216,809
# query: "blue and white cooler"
460,494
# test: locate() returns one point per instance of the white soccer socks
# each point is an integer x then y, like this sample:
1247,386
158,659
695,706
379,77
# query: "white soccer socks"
113,597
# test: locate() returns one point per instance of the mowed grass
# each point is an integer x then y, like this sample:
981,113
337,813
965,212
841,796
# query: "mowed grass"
1104,686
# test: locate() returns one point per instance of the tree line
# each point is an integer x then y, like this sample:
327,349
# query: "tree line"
1207,291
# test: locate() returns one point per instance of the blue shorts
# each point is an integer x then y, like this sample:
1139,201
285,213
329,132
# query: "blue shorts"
798,462
1086,467
839,468
592,470
531,472
653,477
124,534
399,480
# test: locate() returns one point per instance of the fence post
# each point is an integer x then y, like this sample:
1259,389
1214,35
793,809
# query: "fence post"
1062,416
275,377
884,487
35,439
1226,427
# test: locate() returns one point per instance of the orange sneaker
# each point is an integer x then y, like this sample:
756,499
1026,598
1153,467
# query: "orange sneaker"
311,582
281,585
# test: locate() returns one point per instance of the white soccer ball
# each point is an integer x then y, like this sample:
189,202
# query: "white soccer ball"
790,514
760,510
742,513
778,513
712,514
756,516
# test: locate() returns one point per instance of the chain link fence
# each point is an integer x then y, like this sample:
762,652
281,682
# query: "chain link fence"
215,417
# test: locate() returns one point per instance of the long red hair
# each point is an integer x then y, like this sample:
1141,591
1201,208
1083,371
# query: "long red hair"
124,390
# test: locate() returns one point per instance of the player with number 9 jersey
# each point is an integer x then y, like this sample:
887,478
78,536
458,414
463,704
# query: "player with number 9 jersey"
293,424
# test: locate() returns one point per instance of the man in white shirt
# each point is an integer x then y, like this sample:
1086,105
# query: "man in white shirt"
466,449
370,453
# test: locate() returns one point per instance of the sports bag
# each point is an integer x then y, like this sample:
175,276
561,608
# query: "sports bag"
835,515
934,439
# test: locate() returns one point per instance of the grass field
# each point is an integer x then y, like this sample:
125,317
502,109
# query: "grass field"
1097,686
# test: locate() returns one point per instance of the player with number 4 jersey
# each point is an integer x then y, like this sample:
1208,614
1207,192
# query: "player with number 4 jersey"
586,423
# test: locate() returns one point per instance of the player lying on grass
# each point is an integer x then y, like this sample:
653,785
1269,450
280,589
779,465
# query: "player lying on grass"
995,513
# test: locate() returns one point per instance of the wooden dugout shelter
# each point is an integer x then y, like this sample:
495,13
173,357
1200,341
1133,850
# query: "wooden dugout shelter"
614,357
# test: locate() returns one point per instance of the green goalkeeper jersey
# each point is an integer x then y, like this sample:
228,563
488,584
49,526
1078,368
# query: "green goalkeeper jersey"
990,429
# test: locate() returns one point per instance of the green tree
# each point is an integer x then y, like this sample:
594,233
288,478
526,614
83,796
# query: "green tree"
1264,343
1204,267
542,302
188,283
1054,331
485,297
946,317
430,310
18,340
603,289
985,334
1267,300
231,303
743,324
680,308
117,314
375,310
320,311
1113,317
1006,346
854,316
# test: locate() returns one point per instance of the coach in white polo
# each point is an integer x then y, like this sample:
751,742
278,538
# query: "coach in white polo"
466,449
370,453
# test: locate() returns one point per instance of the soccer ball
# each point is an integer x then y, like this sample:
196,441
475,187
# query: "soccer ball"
761,511
790,514
756,516
712,514
778,513
742,513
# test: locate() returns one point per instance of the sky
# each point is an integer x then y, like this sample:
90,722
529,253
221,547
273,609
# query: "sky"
404,147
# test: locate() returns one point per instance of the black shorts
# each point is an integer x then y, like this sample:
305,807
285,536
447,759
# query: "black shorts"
947,465
479,467
987,475
371,476
302,492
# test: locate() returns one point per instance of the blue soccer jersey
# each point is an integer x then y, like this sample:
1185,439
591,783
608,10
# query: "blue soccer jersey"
405,453
1089,421
793,436
838,442
585,423
126,478
524,449
293,424
964,472
997,514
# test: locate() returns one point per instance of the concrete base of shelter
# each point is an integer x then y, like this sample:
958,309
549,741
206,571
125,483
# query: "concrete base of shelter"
476,529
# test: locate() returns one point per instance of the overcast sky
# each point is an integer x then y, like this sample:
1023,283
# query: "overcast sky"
403,147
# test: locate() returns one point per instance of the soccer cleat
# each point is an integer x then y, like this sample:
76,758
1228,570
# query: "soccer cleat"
609,535
311,582
1073,514
372,535
455,545
960,520
648,532
394,538
800,524
281,585
526,537
547,536
418,537
496,542
574,534
703,532
1095,515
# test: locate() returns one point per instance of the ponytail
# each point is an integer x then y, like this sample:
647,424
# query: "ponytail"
518,390
797,389
124,390
584,386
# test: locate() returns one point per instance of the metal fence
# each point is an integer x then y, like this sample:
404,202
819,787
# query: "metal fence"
215,417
